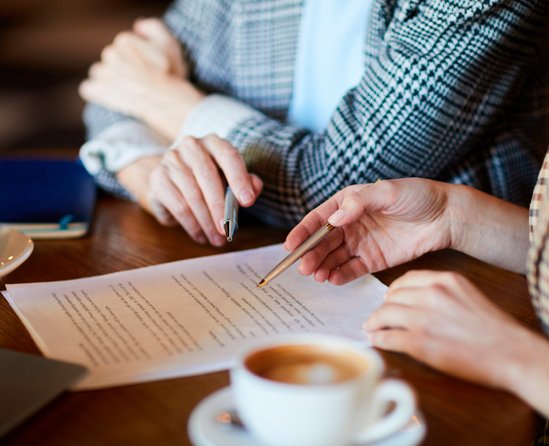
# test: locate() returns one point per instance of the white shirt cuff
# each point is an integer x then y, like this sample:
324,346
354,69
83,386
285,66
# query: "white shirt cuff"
120,145
216,114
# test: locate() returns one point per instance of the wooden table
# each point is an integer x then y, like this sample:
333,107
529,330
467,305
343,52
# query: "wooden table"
124,237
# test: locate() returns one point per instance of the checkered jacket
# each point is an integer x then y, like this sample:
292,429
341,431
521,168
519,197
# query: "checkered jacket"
538,258
538,264
450,91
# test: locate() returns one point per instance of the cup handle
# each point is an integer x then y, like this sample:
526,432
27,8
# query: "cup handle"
389,391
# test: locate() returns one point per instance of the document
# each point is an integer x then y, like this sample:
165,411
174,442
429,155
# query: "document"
186,317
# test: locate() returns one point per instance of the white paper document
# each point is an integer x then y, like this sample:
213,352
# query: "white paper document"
184,318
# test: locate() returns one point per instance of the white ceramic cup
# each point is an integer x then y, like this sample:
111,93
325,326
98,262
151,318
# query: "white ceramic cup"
323,411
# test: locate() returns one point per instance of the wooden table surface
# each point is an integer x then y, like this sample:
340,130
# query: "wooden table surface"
125,237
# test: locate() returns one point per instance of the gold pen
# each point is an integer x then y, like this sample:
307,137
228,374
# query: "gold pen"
296,254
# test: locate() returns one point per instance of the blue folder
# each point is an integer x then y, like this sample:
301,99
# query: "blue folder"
46,198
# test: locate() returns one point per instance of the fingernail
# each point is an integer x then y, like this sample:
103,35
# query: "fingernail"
222,224
201,239
336,217
218,240
246,197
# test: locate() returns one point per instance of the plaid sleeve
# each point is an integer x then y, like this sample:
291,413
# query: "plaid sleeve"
438,74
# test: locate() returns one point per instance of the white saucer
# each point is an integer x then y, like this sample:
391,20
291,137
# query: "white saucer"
15,248
204,430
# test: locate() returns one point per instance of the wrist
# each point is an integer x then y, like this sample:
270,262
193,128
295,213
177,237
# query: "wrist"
135,177
168,106
461,205
524,364
488,228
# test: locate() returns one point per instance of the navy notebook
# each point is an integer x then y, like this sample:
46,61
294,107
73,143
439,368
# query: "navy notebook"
46,198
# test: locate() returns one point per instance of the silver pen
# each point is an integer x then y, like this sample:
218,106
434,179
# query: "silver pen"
296,254
230,220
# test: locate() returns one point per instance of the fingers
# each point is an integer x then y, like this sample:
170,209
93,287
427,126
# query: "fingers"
193,172
394,327
191,187
392,340
156,208
394,315
133,49
257,184
232,164
168,194
100,92
311,222
156,32
129,54
313,259
426,278
206,173
330,211
348,271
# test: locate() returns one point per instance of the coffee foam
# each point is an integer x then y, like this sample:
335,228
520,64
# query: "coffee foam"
306,364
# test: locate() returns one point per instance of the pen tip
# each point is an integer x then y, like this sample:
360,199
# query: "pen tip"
230,229
261,284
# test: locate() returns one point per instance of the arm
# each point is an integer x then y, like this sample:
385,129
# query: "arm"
488,228
401,119
118,138
391,222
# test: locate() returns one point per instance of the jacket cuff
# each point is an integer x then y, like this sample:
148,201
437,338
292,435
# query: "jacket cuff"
216,114
120,145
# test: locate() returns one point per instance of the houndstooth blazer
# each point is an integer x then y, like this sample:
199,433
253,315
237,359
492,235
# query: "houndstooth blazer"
450,91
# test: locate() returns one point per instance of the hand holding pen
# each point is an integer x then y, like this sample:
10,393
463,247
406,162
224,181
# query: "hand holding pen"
377,226
190,184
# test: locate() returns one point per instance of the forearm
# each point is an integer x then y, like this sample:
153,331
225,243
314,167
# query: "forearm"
525,367
488,228
135,179
166,108
116,142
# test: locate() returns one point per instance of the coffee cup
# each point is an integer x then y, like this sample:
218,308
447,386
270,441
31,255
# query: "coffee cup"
318,390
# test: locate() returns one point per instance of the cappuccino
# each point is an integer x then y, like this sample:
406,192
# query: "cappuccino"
317,390
307,364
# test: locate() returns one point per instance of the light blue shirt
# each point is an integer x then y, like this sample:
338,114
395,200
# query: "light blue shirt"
330,58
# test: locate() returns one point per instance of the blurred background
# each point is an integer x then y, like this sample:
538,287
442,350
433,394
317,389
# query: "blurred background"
46,47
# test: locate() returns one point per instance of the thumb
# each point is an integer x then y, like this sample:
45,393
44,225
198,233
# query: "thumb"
154,30
257,184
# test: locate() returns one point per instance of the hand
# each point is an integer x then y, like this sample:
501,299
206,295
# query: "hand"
135,178
189,184
377,226
143,74
442,319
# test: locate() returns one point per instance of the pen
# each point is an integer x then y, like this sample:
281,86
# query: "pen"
230,220
296,254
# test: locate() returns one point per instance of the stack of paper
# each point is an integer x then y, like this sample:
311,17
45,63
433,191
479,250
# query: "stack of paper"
186,317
